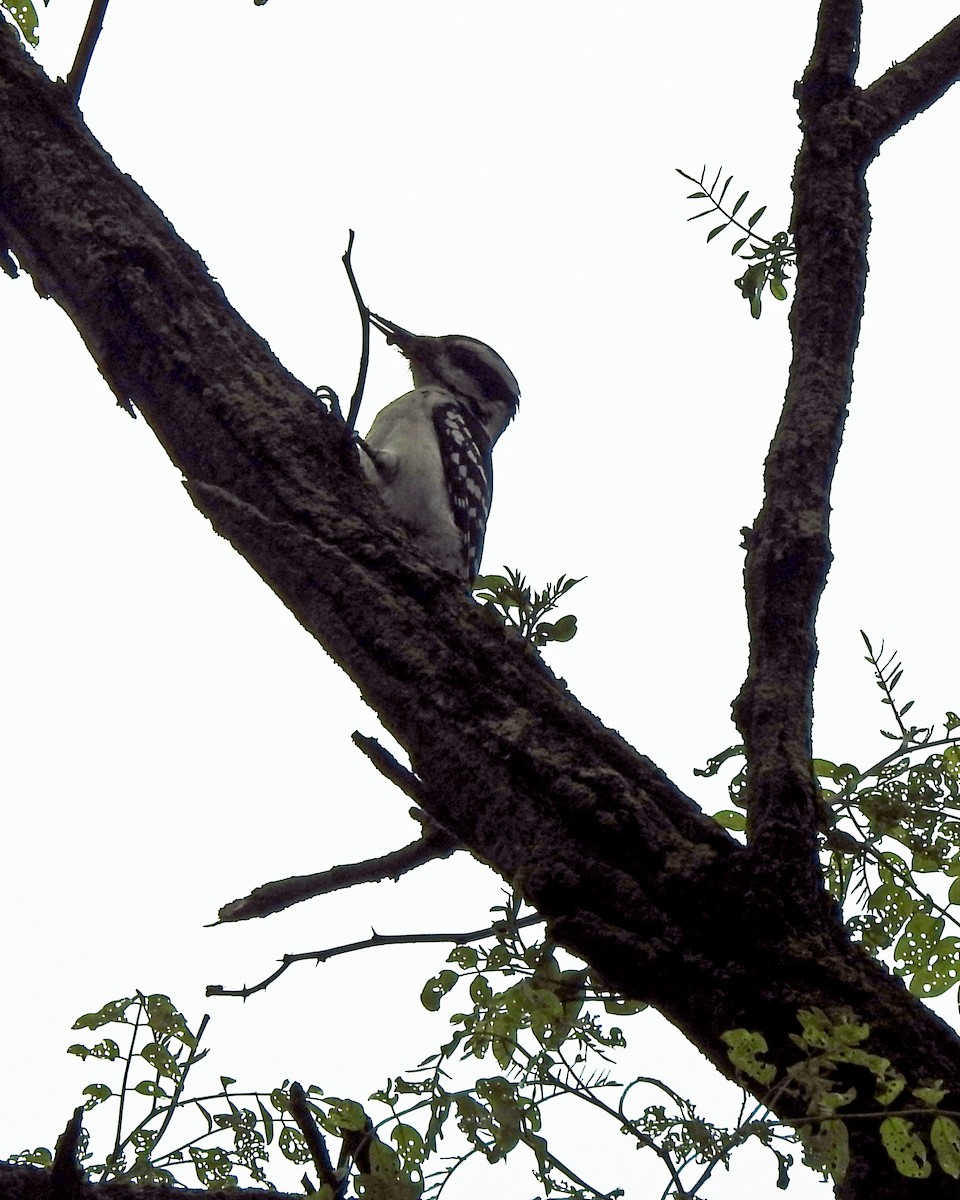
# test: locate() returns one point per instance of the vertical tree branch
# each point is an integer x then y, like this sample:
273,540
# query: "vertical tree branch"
788,550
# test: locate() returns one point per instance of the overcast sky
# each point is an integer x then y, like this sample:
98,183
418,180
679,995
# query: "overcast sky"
173,737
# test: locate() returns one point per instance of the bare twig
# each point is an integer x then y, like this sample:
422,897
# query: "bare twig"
376,939
364,342
88,42
389,767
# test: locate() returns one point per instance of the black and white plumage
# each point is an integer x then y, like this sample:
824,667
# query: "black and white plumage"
429,452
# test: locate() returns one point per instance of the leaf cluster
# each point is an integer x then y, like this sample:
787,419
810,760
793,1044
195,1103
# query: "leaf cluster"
832,1044
510,601
538,1020
229,1131
770,259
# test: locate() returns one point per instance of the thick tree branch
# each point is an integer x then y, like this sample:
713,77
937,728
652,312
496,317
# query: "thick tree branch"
911,86
836,45
626,870
788,549
282,893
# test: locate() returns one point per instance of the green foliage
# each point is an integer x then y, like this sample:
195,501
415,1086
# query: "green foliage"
770,259
830,1043
24,14
744,1049
229,1131
881,829
509,601
536,1020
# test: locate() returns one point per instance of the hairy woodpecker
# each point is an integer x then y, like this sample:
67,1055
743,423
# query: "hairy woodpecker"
429,451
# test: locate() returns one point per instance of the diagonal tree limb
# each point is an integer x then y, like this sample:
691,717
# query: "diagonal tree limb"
273,897
911,86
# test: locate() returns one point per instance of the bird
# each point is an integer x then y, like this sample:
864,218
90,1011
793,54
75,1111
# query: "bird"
429,452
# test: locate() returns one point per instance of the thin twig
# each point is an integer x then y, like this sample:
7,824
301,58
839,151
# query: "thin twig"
364,339
377,939
389,767
88,42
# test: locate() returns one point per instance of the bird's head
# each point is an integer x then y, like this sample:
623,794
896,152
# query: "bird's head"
468,369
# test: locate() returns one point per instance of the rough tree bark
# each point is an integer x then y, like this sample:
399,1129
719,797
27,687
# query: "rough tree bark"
628,872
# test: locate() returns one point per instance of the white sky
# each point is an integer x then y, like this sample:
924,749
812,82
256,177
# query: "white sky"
173,737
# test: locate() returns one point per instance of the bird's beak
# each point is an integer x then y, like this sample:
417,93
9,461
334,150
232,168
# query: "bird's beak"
396,335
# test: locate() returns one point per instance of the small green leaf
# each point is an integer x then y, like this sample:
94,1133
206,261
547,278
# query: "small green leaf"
161,1060
41,1157
737,245
945,1139
409,1143
777,290
906,1149
490,583
347,1114
166,1021
756,217
25,14
558,631
114,1011
729,818
932,1094
436,988
293,1145
147,1087
719,229
739,204
96,1093
743,1048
